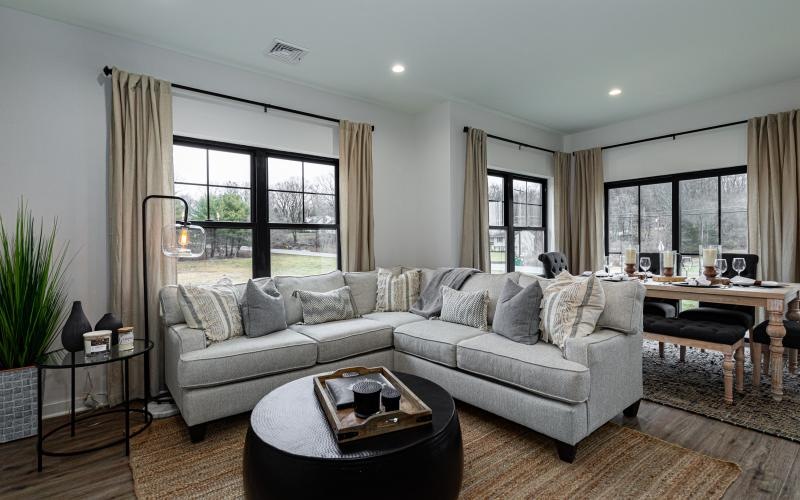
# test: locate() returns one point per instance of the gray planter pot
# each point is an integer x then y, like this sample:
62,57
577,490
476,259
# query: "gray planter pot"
18,397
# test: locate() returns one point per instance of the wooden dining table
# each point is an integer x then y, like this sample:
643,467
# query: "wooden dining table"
778,303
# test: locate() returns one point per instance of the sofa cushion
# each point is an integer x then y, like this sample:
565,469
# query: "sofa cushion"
243,358
394,319
570,308
492,282
517,315
529,279
623,307
539,368
397,292
324,307
213,309
317,283
363,287
433,340
343,339
262,309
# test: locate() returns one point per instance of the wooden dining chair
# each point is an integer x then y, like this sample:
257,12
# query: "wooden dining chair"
759,348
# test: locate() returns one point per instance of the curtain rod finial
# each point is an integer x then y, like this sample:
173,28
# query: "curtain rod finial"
106,71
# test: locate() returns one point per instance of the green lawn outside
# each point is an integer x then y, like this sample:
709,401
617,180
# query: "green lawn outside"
205,272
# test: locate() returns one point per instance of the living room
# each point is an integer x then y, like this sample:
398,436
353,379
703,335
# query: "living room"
641,157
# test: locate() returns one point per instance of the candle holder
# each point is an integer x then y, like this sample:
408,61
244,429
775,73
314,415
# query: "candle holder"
668,260
710,272
630,269
669,272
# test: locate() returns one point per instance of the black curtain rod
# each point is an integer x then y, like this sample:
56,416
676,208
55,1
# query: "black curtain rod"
266,106
520,144
673,135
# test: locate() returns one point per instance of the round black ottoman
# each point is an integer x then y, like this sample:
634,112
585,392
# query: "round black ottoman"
290,451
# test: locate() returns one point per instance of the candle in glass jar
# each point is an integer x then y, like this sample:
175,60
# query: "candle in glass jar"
630,256
669,259
709,256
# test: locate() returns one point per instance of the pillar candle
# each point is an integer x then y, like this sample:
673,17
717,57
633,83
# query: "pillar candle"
709,256
669,259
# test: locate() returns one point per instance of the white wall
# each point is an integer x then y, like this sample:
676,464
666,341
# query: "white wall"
718,148
53,133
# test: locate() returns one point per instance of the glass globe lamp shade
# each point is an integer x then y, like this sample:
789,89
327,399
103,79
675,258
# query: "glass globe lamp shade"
179,240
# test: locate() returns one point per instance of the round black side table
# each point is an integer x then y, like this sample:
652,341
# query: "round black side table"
62,359
290,451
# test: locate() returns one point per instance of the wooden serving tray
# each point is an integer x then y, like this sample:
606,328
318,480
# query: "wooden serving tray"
346,426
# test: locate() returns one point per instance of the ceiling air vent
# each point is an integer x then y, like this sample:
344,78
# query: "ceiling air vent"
286,52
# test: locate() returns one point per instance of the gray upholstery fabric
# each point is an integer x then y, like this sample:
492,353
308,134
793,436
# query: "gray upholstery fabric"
492,282
342,339
624,306
528,279
433,339
210,403
517,313
364,288
394,319
262,309
539,368
171,312
318,283
241,358
557,419
187,339
615,363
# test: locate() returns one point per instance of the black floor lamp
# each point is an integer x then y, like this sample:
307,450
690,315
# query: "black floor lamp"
177,240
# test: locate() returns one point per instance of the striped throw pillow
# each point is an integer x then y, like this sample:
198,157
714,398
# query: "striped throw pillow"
322,307
571,307
397,292
213,309
465,308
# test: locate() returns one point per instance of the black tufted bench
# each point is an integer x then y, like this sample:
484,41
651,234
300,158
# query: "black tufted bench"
721,337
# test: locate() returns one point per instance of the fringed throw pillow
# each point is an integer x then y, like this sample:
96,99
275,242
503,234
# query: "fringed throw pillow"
397,292
571,307
213,309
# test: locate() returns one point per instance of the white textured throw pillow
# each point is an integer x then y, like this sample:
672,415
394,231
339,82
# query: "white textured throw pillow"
213,309
465,308
397,292
570,308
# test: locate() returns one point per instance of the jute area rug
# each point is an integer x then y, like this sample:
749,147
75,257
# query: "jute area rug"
697,386
501,460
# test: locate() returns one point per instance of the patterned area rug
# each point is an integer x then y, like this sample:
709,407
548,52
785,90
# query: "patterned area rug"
697,386
501,460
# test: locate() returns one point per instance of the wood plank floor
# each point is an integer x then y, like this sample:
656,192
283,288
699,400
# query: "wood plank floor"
771,466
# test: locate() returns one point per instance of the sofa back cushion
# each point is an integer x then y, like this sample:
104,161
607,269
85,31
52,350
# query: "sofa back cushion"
624,306
171,313
494,283
287,285
363,287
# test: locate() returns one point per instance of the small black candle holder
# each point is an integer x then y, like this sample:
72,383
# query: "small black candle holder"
390,397
367,398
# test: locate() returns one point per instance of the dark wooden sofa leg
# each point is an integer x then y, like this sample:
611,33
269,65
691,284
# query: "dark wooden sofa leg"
566,452
632,410
197,432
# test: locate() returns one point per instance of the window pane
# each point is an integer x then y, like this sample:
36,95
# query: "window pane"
319,178
498,250
698,208
534,216
496,192
196,198
520,191
285,207
623,218
734,213
496,204
228,253
230,204
496,214
527,247
656,217
189,164
228,169
286,175
520,214
320,208
301,252
534,193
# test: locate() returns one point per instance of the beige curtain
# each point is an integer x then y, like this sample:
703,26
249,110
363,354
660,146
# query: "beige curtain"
475,224
562,180
140,165
355,196
579,209
773,194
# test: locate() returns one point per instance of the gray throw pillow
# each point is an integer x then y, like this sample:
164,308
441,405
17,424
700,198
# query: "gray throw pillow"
517,314
262,309
465,308
322,307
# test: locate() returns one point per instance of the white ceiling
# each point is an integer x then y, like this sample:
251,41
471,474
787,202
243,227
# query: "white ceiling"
546,62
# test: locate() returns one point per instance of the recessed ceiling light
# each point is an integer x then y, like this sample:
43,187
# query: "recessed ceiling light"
398,68
614,92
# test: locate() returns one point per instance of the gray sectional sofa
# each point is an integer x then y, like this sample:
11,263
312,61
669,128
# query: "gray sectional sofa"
565,397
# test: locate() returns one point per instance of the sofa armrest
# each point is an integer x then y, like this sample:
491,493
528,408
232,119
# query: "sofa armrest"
614,360
186,339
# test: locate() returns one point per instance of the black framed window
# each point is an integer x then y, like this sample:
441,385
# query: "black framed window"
517,222
265,212
678,212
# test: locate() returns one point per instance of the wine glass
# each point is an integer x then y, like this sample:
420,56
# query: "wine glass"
721,265
739,265
644,263
686,263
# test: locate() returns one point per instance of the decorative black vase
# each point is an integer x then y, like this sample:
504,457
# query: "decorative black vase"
110,322
76,325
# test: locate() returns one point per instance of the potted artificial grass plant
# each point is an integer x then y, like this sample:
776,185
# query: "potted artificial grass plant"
32,299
